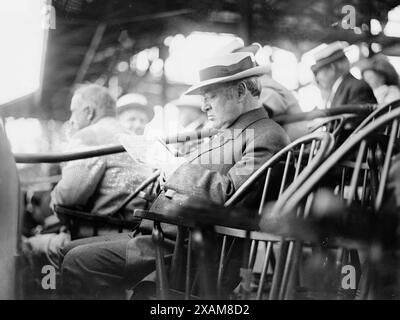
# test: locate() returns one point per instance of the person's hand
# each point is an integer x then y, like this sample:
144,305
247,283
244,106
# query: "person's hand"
169,168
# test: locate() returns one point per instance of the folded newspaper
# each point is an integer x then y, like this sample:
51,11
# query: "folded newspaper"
151,151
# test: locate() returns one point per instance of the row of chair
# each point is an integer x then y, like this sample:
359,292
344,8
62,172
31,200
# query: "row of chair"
355,171
304,167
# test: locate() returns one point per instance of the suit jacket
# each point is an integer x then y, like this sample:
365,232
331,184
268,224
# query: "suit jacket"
352,91
217,168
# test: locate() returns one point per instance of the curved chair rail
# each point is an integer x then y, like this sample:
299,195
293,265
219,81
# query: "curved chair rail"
333,159
102,151
359,109
378,111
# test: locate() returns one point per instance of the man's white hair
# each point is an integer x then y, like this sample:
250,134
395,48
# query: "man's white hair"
97,97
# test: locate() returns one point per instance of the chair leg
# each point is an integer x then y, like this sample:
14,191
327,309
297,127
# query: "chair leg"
177,263
161,270
264,271
286,272
294,272
278,272
204,239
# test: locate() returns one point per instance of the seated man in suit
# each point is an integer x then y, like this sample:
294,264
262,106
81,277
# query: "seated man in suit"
212,172
333,77
99,184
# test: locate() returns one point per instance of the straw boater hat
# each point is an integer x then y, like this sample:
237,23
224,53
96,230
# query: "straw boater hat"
329,54
134,101
226,67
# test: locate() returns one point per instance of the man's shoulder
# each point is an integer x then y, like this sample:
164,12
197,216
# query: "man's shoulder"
351,82
103,132
267,129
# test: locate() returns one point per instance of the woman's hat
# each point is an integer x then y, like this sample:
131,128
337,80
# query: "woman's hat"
381,65
134,101
225,68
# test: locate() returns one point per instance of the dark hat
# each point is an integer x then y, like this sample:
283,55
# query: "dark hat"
381,65
329,54
134,101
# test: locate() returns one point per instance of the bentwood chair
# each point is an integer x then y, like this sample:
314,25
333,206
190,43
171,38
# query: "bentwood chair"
294,164
362,183
381,110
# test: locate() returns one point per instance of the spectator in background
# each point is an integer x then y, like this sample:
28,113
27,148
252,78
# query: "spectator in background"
97,185
333,77
134,113
383,79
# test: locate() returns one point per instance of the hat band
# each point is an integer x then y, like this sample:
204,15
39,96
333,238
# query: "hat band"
324,61
226,71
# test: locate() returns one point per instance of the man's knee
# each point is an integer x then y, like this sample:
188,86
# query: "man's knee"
74,261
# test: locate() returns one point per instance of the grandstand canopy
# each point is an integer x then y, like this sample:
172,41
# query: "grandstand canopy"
91,37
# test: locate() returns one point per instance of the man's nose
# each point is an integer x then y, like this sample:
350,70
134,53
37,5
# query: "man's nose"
205,107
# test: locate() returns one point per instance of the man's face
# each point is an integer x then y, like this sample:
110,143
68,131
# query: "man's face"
325,77
134,120
221,106
80,113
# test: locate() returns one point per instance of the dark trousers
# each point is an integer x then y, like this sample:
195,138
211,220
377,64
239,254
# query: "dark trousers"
102,267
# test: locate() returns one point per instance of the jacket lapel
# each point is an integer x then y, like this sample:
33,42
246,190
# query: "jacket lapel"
231,133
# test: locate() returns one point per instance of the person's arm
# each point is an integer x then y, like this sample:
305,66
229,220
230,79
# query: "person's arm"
78,183
197,181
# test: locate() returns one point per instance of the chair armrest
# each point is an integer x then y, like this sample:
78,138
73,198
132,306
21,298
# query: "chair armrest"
193,217
95,218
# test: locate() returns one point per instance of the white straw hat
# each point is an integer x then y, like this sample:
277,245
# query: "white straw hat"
225,68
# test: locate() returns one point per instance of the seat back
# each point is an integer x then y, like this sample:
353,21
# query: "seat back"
330,124
303,156
381,110
362,174
361,147
10,215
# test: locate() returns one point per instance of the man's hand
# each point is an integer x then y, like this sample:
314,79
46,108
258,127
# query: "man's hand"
169,168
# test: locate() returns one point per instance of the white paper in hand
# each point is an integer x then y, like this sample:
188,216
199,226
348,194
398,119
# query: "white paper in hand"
150,151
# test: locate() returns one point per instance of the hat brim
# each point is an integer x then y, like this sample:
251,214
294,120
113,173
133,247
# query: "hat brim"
147,110
326,61
256,71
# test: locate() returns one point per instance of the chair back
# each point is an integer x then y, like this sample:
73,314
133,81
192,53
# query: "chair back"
362,174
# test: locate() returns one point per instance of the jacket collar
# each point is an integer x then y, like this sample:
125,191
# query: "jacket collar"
231,133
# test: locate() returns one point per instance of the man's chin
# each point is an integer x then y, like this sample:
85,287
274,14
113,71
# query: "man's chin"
212,124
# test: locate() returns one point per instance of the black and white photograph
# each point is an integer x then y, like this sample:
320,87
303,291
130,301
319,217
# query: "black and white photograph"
200,157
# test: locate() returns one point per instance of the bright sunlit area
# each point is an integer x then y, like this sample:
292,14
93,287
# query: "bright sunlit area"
187,53
392,28
22,41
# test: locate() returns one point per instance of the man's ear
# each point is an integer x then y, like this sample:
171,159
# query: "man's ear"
241,91
91,113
